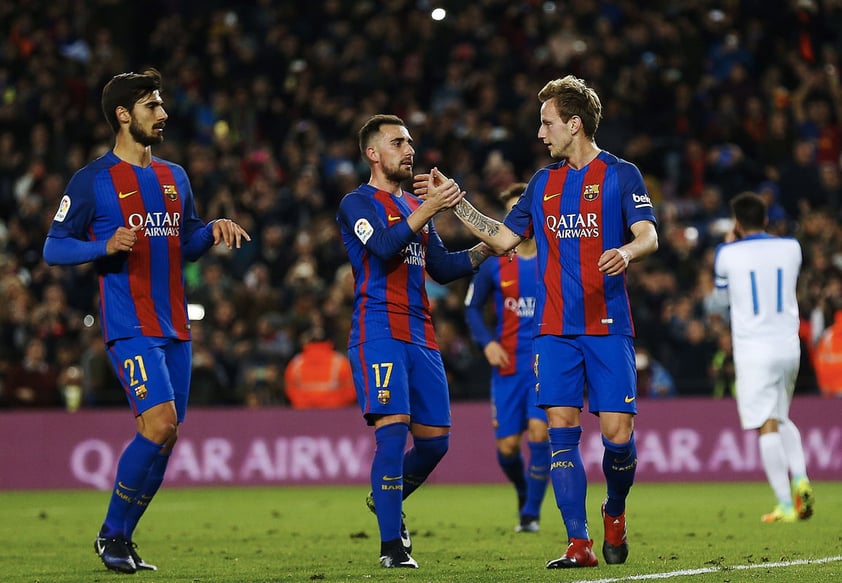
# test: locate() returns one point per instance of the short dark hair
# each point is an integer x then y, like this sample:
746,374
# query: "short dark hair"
372,126
513,191
125,90
750,210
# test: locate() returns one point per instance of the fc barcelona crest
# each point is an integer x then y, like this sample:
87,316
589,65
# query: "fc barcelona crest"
140,392
591,192
384,396
170,191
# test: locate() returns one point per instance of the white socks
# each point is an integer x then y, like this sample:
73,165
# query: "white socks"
791,439
775,463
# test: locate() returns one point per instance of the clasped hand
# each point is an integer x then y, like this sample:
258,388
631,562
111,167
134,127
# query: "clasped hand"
437,189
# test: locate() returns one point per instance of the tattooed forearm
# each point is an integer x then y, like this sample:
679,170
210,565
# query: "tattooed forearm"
473,218
476,256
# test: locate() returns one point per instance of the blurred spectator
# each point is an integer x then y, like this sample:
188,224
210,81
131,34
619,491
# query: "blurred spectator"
261,366
100,386
831,181
70,387
463,365
778,218
32,382
209,383
692,352
827,359
653,379
319,377
800,185
722,369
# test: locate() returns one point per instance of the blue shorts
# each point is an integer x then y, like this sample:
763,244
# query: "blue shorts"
153,371
514,402
393,377
603,364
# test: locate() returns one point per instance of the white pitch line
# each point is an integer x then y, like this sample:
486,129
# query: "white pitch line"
723,569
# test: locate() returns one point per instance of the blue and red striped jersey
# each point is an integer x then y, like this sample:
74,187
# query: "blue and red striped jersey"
512,285
576,215
142,292
389,262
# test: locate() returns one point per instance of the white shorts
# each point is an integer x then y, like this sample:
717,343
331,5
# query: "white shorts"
765,385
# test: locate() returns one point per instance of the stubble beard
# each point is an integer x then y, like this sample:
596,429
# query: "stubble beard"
398,174
143,138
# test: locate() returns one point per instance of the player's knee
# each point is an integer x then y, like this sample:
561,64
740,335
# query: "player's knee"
433,448
161,431
509,447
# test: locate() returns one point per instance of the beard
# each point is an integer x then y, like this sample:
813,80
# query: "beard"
143,138
398,174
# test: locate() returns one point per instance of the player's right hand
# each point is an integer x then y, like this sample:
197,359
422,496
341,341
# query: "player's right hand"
420,182
441,192
123,240
496,354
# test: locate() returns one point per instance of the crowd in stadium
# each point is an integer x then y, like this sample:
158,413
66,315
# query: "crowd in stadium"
264,100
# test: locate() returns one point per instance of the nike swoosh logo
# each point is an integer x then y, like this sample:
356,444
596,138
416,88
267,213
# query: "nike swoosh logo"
508,283
558,451
397,218
391,478
125,194
629,399
123,486
549,196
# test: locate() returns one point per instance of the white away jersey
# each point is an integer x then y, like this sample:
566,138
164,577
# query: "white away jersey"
760,273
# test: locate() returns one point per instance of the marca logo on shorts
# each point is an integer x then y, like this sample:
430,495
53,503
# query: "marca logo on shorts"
641,200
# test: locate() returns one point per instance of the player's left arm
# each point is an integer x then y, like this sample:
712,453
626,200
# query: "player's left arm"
644,242
479,292
445,266
198,237
638,212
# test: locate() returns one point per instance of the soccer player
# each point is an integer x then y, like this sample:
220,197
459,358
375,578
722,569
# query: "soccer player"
590,216
398,372
760,272
508,349
133,215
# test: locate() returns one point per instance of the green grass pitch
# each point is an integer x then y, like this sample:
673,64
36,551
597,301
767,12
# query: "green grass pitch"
701,533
